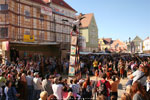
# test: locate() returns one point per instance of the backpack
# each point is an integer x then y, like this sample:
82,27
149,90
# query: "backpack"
102,89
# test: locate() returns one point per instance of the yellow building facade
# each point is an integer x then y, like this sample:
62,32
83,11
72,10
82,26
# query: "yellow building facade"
103,45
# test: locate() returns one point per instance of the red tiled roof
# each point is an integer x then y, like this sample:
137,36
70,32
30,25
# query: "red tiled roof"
109,40
39,1
118,42
61,3
87,20
147,38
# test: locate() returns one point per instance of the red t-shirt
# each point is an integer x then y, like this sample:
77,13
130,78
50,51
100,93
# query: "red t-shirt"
99,66
107,85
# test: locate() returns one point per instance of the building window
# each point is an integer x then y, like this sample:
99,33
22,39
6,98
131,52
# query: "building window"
27,14
27,33
41,17
3,32
3,6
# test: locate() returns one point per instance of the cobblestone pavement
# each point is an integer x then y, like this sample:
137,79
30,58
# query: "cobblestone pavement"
121,87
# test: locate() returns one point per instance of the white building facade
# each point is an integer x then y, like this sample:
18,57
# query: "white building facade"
146,45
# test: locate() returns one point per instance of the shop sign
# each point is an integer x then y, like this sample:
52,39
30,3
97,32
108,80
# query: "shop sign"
58,11
46,11
28,38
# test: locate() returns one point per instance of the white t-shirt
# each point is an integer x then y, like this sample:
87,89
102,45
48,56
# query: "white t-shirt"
37,83
148,86
137,74
5,91
57,90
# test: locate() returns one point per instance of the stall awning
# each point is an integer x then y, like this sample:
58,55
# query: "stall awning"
36,43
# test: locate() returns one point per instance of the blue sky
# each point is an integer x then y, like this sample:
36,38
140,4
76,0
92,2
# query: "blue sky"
117,19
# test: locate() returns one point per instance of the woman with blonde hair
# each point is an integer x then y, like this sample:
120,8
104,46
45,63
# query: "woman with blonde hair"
126,96
43,95
128,89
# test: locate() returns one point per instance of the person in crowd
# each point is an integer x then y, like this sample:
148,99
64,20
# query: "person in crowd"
121,70
37,86
65,82
114,86
66,93
43,95
52,97
23,81
101,97
71,83
95,65
30,88
2,79
148,84
139,75
100,66
75,87
87,89
57,89
70,96
104,87
125,96
113,98
2,84
17,70
138,92
60,80
10,93
47,85
128,89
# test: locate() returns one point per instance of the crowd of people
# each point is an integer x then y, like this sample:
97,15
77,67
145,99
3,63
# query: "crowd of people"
43,79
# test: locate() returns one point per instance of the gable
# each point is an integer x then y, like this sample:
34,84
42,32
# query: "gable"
86,21
137,39
93,23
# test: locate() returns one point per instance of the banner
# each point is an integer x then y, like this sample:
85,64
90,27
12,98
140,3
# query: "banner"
46,11
72,60
71,71
73,50
58,11
28,38
74,40
5,45
74,68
